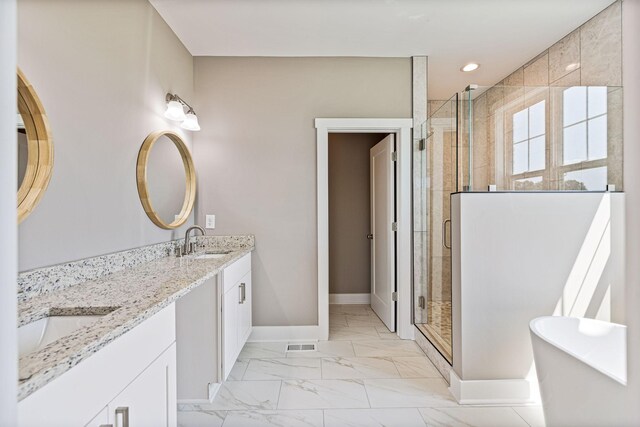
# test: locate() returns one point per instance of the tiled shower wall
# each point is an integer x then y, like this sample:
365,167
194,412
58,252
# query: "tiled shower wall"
595,49
589,56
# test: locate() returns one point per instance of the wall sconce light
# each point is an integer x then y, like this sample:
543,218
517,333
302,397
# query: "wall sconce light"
175,112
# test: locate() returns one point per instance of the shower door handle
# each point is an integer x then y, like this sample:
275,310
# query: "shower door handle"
370,236
444,233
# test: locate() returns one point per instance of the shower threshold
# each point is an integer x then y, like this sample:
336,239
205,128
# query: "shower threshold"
438,342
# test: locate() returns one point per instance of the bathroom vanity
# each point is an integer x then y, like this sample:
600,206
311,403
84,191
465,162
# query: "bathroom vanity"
209,341
112,350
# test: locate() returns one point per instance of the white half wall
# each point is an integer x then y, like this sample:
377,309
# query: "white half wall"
8,216
518,256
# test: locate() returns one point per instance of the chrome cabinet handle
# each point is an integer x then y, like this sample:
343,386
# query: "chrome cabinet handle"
243,296
444,233
370,236
124,411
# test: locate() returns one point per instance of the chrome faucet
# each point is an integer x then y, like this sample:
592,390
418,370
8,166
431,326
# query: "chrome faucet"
187,249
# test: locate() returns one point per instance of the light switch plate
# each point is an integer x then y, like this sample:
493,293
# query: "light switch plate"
210,222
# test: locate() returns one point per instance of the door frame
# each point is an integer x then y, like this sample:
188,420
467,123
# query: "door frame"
402,129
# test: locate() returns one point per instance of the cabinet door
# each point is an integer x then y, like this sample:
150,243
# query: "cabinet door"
244,311
149,401
230,303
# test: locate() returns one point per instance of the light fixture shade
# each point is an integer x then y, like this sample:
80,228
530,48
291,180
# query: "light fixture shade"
190,122
174,111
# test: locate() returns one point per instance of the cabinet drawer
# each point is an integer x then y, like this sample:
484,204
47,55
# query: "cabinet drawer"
232,274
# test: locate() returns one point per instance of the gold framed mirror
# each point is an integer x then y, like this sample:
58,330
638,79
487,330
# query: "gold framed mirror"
166,179
35,149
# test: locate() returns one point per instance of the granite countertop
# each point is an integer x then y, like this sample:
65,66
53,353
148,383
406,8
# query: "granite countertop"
129,297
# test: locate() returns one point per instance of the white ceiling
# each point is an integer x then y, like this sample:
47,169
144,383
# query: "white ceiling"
499,34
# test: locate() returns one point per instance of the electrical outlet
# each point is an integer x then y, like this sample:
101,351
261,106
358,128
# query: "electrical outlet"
210,222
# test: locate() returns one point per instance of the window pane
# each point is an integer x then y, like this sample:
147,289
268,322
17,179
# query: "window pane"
529,184
520,158
574,105
597,100
574,144
536,120
598,138
537,153
594,179
520,126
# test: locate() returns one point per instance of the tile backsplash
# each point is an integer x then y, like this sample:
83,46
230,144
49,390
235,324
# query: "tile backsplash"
46,279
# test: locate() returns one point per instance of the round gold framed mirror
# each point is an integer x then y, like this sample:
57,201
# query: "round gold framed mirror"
166,179
35,149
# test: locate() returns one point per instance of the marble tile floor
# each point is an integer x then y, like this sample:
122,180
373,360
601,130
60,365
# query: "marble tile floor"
363,376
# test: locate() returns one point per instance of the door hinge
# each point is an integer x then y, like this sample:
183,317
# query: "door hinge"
394,156
394,226
394,296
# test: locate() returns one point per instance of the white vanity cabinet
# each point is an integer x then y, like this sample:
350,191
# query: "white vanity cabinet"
133,379
236,311
144,402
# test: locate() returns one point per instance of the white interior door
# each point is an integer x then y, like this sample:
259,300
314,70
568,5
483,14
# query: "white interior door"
383,242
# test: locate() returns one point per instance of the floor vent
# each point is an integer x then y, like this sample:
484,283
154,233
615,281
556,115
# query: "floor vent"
301,347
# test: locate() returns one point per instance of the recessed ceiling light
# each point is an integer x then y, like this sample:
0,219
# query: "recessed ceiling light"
572,67
470,67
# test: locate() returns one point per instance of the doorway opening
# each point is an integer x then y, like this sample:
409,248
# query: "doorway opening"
362,209
401,130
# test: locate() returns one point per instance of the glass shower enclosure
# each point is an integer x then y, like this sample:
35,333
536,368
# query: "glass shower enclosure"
503,138
436,162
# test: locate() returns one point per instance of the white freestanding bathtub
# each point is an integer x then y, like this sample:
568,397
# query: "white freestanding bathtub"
582,371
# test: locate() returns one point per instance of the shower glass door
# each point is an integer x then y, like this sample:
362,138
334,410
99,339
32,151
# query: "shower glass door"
440,178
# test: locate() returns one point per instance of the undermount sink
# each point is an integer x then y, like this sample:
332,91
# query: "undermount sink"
212,254
36,335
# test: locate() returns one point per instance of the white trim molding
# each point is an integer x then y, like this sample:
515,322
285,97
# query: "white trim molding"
402,128
492,392
284,333
213,390
349,298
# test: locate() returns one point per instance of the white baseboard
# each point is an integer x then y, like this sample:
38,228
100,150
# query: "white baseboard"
491,392
184,404
284,333
349,298
214,388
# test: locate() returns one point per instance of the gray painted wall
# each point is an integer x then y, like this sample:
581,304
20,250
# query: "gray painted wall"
256,159
101,70
350,212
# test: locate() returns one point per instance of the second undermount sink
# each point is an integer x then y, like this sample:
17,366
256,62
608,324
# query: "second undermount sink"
212,254
36,335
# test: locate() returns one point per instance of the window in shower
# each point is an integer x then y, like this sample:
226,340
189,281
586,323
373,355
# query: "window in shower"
529,140
584,138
